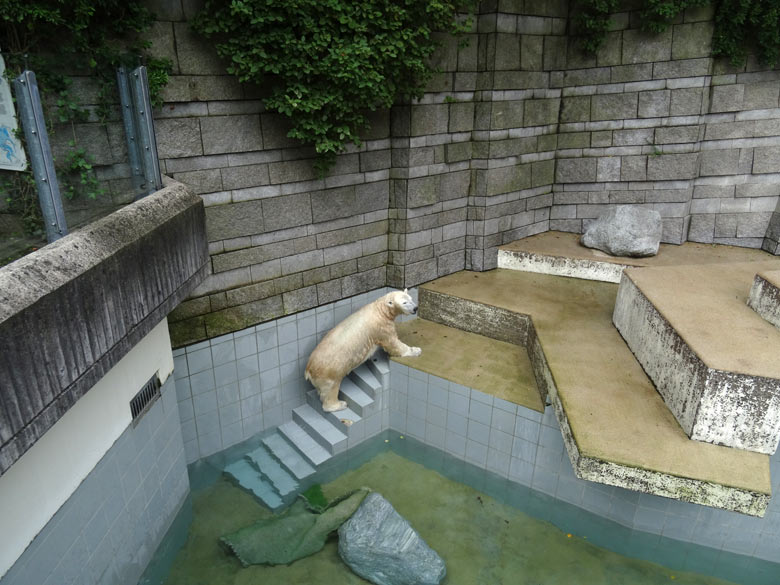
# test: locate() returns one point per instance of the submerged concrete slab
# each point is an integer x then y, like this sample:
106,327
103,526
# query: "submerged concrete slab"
764,296
561,254
495,367
713,359
616,427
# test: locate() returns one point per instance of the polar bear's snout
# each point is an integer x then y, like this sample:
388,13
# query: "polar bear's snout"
408,306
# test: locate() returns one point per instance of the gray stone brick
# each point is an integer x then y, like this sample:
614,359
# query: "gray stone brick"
593,76
342,253
195,56
676,134
333,204
640,136
713,191
642,47
245,176
455,185
507,52
275,128
374,160
457,151
554,53
178,137
292,171
531,52
760,96
727,98
719,162
610,51
667,167
301,262
160,34
193,88
574,140
576,170
541,112
766,159
223,134
654,104
758,190
628,73
633,168
702,228
508,114
692,40
300,300
206,181
423,191
575,109
328,292
602,138
542,173
608,169
234,220
686,102
364,281
429,119
508,179
613,106
726,225
372,196
286,211
461,117
753,225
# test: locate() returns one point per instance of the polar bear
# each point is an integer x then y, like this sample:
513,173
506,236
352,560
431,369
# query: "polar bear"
354,340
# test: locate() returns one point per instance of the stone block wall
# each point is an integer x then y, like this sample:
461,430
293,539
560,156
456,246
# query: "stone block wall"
519,133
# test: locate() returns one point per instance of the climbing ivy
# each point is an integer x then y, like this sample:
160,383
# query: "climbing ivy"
326,63
741,26
61,39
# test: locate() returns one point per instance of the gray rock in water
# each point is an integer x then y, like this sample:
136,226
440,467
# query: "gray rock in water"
380,546
625,230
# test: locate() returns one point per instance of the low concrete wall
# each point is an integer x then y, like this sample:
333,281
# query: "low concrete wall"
70,311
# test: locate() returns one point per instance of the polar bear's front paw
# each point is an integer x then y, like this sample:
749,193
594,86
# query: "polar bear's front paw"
412,352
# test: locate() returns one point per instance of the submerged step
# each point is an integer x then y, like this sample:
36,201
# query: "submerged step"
712,358
764,296
288,457
261,459
502,369
616,427
246,476
304,444
318,428
561,254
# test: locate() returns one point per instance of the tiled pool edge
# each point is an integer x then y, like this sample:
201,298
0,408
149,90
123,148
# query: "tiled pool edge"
526,447
109,528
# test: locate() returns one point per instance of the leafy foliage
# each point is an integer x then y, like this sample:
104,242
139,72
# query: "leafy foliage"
741,26
326,63
58,39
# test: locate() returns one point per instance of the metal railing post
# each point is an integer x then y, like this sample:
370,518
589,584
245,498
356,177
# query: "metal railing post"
128,119
41,160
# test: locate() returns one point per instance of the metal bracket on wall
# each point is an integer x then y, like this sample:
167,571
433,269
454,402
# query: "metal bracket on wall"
139,130
41,160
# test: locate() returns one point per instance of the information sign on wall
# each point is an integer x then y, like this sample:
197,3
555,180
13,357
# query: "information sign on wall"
12,156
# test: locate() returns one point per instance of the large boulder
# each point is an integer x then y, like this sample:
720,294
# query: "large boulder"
625,230
380,546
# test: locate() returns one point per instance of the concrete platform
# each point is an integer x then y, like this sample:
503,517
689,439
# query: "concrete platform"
495,367
616,427
712,358
561,254
764,296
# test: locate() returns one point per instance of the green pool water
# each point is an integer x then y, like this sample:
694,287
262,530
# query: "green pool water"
488,531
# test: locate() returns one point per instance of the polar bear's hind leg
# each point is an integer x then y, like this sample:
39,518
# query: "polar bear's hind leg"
329,395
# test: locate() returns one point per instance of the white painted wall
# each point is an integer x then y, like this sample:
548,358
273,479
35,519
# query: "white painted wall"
43,479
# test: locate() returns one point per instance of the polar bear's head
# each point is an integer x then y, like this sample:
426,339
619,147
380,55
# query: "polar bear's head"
400,302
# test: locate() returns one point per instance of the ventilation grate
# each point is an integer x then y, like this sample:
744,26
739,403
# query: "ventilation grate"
146,396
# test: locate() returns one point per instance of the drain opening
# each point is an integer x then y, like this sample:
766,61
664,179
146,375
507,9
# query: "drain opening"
144,399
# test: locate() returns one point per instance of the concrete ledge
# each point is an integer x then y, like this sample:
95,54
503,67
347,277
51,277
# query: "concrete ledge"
764,296
721,388
73,309
616,428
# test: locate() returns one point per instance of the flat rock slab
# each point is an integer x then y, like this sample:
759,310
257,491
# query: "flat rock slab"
561,254
379,545
625,230
621,432
503,369
764,296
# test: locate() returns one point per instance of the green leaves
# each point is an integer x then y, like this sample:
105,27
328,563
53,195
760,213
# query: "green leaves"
328,62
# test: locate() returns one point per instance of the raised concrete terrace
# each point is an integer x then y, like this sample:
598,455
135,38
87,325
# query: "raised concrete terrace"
765,296
616,426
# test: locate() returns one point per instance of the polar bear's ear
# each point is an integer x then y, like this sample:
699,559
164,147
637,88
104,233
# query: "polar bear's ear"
406,289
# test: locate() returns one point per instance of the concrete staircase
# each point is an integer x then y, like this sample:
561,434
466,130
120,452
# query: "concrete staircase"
617,428
274,471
